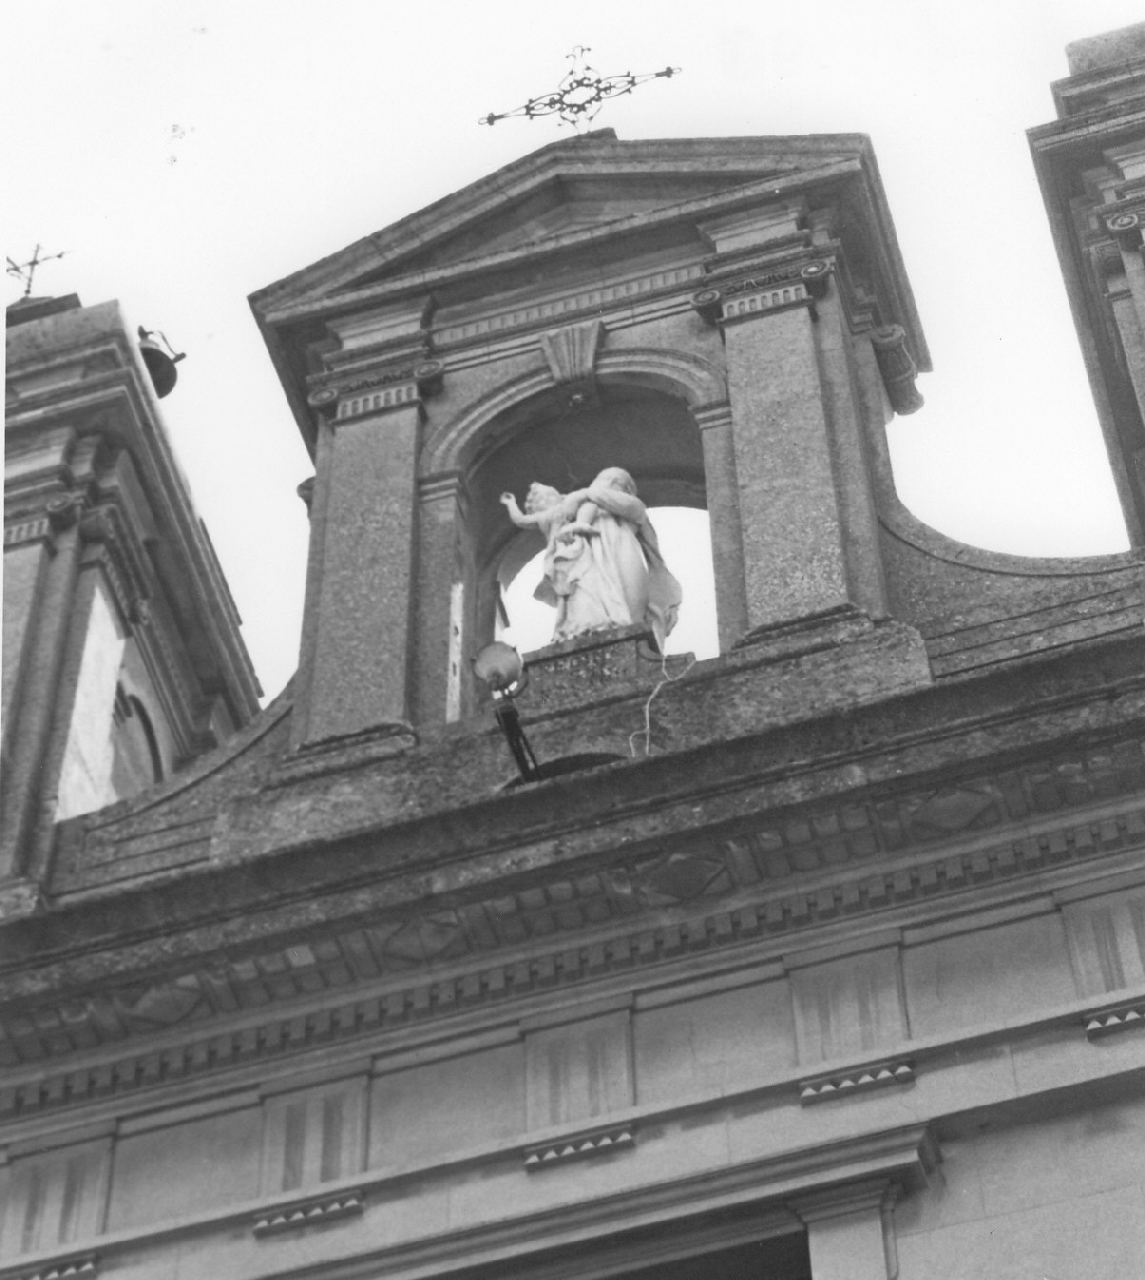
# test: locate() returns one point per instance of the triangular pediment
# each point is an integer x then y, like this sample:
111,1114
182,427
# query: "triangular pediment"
582,187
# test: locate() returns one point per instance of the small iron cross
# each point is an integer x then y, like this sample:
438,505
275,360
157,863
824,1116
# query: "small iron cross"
27,271
581,94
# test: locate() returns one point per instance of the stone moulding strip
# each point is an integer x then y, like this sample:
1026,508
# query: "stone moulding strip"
83,1265
843,1084
1112,1018
777,916
577,1146
308,1212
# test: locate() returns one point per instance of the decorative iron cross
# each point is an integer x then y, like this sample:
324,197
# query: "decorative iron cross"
581,94
27,271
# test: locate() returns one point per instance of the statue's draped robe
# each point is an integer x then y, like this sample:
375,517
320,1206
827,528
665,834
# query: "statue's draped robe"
613,577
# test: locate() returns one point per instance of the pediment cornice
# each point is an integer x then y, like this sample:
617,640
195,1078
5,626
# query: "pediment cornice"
333,299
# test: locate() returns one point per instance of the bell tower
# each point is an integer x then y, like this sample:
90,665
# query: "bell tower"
123,660
728,320
1090,163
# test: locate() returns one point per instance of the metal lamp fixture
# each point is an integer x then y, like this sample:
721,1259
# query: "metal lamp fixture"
500,667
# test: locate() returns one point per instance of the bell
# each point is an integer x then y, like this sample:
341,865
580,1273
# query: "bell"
160,364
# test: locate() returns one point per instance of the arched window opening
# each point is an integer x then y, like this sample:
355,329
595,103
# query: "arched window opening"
136,761
685,542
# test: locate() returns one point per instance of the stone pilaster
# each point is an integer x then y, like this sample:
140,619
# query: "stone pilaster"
356,638
794,562
1120,274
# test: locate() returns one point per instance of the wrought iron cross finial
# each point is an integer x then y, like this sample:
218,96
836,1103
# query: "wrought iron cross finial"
581,94
27,270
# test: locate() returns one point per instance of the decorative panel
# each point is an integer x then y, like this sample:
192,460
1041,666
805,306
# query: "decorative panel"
849,1006
55,1198
1107,942
578,1071
312,1136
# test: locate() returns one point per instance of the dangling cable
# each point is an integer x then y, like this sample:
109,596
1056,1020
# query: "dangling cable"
666,679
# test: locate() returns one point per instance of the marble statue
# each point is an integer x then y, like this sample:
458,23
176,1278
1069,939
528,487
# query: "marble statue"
602,565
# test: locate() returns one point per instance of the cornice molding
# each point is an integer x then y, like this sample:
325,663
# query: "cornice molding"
904,1157
744,935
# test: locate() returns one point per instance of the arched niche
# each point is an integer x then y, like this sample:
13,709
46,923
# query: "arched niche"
557,440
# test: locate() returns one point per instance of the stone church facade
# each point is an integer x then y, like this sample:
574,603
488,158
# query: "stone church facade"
824,957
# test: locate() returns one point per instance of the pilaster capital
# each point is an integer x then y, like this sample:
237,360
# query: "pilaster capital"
771,287
871,1195
379,390
1125,220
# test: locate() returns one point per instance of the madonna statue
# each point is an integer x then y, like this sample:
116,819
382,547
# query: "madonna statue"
603,567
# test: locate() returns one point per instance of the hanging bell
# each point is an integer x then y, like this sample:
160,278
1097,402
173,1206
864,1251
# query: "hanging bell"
160,363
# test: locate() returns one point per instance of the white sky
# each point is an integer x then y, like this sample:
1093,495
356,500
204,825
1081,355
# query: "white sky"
188,153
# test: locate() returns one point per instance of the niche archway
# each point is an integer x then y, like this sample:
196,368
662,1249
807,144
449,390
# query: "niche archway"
647,431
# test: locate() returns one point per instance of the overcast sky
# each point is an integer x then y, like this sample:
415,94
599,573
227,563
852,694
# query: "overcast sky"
187,154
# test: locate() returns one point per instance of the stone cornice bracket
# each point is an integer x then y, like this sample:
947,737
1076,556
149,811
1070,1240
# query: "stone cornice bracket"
63,512
571,355
306,492
897,367
1108,268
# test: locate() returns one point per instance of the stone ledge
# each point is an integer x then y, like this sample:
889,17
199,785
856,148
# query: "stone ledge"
308,1212
859,1080
592,1142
